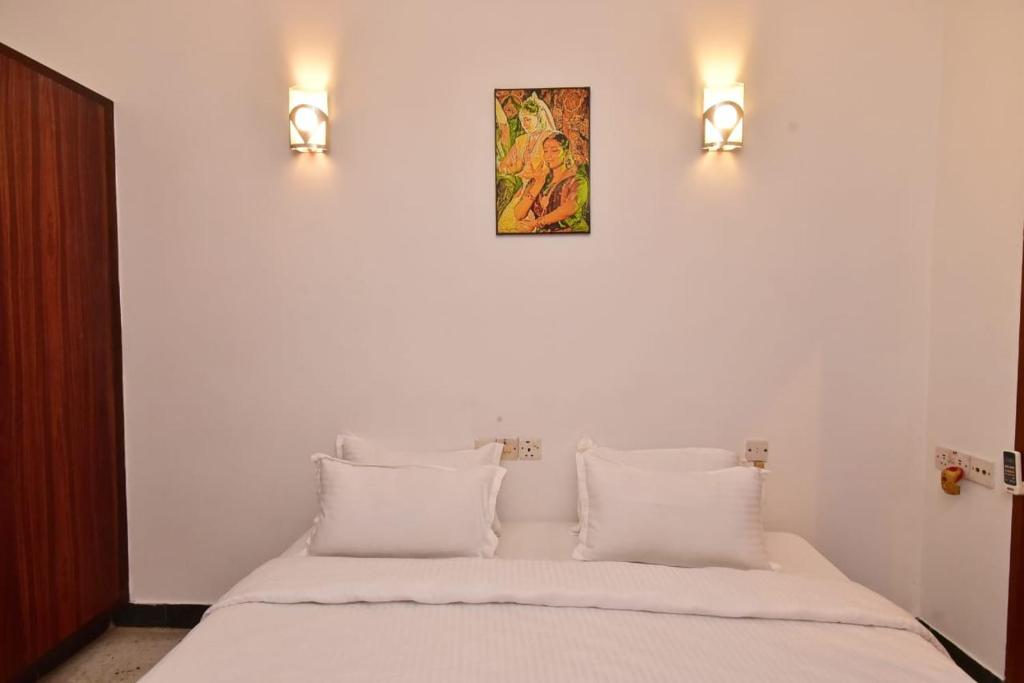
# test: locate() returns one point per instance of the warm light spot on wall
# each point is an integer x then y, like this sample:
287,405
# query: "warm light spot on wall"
312,73
719,71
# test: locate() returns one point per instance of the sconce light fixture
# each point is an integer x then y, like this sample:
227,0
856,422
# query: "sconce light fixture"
723,118
307,119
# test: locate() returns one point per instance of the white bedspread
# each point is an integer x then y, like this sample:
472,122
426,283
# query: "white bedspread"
327,619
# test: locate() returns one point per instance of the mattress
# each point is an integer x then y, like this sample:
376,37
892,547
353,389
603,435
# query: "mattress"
533,616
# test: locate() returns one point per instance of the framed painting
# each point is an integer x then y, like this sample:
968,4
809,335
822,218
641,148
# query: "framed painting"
542,161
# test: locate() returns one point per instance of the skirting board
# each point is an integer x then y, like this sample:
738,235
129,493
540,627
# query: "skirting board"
168,616
970,666
164,616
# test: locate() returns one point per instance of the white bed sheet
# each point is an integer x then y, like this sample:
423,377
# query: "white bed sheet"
788,552
460,620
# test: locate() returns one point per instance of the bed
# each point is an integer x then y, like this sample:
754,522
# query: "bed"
533,614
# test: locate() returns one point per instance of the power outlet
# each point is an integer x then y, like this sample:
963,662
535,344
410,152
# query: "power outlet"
943,457
947,457
757,450
529,449
982,471
510,446
961,460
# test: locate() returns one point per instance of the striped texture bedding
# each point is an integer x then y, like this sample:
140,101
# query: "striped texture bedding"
345,619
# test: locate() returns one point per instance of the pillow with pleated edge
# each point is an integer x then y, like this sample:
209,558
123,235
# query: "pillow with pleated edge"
357,449
683,459
420,511
675,518
348,446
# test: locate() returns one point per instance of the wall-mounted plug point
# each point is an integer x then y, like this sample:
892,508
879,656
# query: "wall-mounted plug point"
529,449
510,446
757,450
510,451
944,457
982,471
961,460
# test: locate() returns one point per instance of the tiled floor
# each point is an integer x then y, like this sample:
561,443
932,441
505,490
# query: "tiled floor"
120,655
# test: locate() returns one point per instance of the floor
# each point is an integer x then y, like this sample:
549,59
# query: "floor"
120,655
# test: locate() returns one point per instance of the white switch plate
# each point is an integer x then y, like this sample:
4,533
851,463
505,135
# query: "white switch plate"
757,450
529,449
982,471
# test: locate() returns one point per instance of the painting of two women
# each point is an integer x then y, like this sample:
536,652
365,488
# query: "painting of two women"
542,156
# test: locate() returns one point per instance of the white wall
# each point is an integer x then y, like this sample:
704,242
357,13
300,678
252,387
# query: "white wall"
975,287
270,299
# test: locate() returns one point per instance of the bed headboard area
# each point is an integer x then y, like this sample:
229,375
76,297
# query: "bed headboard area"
365,289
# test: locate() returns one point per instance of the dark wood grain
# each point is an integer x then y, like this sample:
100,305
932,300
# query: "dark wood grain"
62,520
1015,618
1015,611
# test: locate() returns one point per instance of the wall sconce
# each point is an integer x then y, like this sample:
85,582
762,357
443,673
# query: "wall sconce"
307,120
723,118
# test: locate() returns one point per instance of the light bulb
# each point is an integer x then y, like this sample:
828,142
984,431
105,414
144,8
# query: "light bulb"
306,120
726,117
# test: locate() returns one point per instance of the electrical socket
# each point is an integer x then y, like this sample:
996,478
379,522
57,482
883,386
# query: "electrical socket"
961,460
510,446
529,449
943,457
947,457
757,450
982,471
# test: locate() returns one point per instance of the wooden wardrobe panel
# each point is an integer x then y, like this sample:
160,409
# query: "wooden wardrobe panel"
62,528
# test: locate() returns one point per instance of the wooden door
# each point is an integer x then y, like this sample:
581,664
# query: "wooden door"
1015,611
63,559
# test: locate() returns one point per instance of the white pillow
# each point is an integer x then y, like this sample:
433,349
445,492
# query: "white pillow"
355,449
413,511
682,519
692,459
